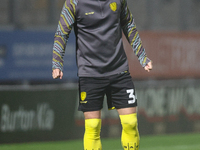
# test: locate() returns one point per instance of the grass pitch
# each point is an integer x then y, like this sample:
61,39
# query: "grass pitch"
159,142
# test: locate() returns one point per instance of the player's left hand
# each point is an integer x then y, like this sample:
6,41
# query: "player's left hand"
149,66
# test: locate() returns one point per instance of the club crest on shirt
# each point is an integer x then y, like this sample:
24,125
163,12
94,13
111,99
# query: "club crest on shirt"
113,6
83,96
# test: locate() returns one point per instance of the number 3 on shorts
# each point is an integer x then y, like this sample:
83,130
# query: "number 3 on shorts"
131,95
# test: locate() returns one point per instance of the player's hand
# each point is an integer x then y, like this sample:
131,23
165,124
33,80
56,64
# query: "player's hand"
57,73
149,66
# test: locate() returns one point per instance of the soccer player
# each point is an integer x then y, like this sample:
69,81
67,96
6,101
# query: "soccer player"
102,64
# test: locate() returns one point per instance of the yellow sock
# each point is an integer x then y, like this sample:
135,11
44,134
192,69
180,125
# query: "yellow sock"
92,134
130,135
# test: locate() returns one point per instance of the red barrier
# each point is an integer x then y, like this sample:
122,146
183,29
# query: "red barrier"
174,55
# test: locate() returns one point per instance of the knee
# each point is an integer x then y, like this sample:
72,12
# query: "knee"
129,122
93,126
93,123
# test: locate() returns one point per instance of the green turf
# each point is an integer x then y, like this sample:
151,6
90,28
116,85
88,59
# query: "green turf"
161,142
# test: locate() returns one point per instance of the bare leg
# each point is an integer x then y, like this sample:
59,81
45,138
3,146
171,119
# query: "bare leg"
126,111
92,115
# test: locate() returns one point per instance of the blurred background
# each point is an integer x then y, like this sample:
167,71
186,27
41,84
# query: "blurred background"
35,107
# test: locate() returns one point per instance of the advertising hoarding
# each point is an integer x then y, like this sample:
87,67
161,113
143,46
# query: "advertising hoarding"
27,55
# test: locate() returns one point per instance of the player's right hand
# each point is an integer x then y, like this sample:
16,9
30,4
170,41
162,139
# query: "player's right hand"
57,73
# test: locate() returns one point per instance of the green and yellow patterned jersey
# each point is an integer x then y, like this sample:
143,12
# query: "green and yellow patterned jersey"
98,26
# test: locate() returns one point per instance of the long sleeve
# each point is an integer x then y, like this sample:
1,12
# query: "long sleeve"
131,33
67,19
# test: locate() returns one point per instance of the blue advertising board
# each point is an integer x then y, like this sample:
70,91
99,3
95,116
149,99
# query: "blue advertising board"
27,55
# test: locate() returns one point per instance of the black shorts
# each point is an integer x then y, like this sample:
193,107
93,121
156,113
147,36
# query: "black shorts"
119,90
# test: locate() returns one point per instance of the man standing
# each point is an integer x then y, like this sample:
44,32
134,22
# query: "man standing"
102,64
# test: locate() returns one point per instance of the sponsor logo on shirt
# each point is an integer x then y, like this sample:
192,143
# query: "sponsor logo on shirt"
89,13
